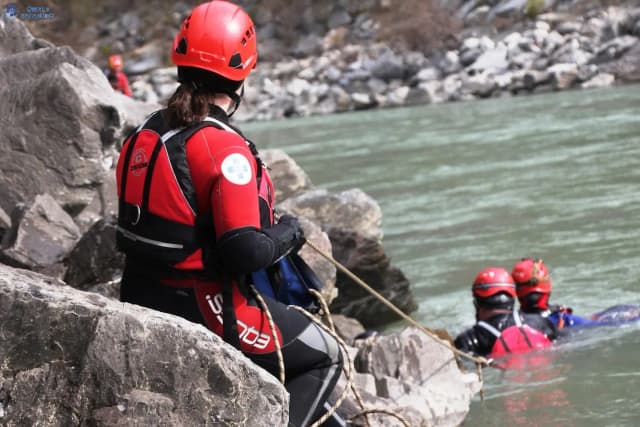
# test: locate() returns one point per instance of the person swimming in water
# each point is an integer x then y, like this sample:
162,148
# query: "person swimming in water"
499,329
533,287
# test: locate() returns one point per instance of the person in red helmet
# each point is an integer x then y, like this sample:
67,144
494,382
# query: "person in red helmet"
499,330
533,287
196,216
116,77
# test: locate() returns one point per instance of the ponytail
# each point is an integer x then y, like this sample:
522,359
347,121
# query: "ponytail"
190,102
188,105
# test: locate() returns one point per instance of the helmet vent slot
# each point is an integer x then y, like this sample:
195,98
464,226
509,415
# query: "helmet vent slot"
235,61
182,46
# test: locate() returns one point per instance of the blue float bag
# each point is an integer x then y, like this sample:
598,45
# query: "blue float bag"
293,279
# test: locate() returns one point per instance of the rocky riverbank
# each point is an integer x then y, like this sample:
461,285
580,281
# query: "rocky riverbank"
340,65
73,355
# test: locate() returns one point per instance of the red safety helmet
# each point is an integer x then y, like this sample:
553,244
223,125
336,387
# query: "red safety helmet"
219,37
533,284
115,62
492,281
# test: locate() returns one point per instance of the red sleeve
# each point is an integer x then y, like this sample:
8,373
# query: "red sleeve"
123,84
224,176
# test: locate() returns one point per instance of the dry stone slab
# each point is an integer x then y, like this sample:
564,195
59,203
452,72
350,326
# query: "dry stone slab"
42,234
77,358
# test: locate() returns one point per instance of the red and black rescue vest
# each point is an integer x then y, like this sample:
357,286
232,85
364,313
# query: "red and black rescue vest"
518,338
154,177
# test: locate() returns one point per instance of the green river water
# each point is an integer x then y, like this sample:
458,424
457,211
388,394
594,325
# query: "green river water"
464,186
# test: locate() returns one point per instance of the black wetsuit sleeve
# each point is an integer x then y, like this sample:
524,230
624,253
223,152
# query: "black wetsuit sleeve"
247,249
543,325
467,342
477,340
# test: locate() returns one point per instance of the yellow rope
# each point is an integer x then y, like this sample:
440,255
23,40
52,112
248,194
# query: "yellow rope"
348,373
327,315
272,327
348,367
362,406
394,414
348,370
325,309
479,369
479,361
345,270
364,412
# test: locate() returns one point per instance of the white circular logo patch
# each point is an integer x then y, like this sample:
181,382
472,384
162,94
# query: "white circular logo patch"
236,168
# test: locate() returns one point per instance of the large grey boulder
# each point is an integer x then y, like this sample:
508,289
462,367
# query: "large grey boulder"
365,257
95,260
352,221
288,177
77,358
59,116
55,111
627,68
418,378
42,234
351,209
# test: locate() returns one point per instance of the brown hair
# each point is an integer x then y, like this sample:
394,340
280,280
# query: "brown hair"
190,103
187,106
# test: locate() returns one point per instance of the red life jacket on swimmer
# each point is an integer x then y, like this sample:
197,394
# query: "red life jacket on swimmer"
158,222
518,338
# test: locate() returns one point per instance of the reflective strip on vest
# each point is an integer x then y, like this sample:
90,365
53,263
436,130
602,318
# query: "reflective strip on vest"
489,328
133,236
517,319
496,332
221,124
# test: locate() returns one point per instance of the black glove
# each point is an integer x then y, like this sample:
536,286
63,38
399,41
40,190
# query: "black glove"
287,236
297,239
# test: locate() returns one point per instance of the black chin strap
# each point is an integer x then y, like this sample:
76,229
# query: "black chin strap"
237,99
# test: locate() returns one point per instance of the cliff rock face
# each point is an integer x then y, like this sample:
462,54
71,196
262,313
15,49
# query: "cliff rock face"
352,221
46,87
77,358
60,119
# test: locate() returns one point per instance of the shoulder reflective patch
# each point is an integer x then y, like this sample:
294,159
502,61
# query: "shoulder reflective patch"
236,169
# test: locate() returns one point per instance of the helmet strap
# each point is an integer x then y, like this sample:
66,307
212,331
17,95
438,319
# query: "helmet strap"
237,99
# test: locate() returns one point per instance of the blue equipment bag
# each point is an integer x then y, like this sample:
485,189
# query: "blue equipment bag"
289,282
